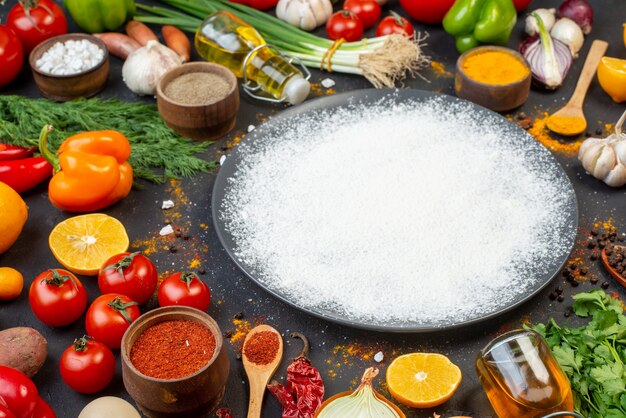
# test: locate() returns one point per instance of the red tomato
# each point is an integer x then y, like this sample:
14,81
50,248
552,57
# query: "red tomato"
427,11
344,24
109,316
366,10
132,275
57,297
11,55
258,4
35,23
521,4
18,392
87,366
184,289
43,410
394,23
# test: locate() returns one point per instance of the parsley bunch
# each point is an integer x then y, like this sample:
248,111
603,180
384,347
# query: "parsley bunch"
593,355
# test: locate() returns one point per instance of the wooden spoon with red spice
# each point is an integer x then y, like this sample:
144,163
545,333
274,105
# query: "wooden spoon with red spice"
616,274
261,354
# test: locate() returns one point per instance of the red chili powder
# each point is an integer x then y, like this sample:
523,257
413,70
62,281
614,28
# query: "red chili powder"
173,349
261,348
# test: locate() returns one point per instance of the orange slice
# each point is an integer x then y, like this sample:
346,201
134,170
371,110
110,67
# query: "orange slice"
422,380
83,243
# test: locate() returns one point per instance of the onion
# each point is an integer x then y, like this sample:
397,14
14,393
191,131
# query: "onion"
579,11
568,32
549,59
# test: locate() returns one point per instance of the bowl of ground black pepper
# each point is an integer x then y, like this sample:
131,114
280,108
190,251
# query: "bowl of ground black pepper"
199,100
174,363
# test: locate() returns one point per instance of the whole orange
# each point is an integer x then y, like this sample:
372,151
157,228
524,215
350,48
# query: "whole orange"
13,215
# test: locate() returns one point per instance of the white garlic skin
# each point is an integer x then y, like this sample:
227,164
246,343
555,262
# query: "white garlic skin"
305,14
547,17
145,66
605,159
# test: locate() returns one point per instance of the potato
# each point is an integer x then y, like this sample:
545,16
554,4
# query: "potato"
109,406
24,349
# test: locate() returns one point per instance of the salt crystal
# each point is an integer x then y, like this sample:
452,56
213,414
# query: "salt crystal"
327,83
378,357
166,230
251,128
70,57
167,204
222,159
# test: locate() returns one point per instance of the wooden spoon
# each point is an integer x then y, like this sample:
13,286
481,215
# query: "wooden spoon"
616,274
260,375
572,113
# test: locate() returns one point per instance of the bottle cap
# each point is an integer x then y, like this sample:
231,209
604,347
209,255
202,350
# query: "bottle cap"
297,89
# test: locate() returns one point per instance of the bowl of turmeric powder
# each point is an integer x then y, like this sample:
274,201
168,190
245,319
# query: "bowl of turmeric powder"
495,77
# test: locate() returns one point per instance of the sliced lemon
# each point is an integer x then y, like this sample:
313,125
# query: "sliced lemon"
612,78
423,380
83,243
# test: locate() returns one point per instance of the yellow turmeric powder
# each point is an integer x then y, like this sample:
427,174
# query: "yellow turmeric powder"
494,67
567,125
541,134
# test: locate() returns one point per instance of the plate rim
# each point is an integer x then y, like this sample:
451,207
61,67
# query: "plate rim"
221,180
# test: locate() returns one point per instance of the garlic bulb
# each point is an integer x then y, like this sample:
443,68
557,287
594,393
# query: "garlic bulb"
364,402
145,66
568,32
547,17
605,158
305,14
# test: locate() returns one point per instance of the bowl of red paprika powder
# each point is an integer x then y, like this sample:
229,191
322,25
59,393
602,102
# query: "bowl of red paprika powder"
174,362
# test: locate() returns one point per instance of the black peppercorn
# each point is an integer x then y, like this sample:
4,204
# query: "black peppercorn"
552,296
558,290
560,298
575,283
567,312
584,271
173,249
605,285
238,315
594,280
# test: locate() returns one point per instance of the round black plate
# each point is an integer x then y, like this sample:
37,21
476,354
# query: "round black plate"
373,96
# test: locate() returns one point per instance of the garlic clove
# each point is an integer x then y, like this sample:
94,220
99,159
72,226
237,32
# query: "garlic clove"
617,176
307,19
589,153
605,163
620,150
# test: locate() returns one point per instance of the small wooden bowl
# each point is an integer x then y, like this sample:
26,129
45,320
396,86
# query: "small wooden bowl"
616,274
195,395
497,97
62,88
202,122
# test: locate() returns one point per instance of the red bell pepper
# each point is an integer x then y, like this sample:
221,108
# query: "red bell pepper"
19,397
13,152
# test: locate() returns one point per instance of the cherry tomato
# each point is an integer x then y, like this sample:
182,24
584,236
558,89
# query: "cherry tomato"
57,297
261,4
109,316
18,392
11,55
184,289
521,4
427,11
132,275
344,24
366,10
43,410
36,21
394,23
87,366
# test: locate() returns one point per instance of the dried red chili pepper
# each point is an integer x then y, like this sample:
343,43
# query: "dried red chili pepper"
304,392
224,413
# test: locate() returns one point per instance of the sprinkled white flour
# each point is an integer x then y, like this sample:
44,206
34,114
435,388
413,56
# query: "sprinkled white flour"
397,213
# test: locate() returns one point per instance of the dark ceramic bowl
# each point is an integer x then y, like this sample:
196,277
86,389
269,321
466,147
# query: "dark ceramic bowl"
195,395
62,88
205,121
497,97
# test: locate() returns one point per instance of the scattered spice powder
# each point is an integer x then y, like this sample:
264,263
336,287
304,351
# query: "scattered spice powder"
173,349
318,90
541,134
439,69
197,88
494,67
262,347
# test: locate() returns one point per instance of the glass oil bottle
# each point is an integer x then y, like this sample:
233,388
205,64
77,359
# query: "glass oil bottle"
225,39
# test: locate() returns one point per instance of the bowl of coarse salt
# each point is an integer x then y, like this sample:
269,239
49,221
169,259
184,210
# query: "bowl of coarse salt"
70,66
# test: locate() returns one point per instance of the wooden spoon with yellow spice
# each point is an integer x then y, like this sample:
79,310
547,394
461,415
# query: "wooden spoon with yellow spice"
261,354
570,119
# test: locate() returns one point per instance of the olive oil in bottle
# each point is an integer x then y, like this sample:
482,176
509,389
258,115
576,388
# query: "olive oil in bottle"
227,40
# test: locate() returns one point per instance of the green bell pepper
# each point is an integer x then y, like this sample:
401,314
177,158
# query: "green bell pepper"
95,16
475,22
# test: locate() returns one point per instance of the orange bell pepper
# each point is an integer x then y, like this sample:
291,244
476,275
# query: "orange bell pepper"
91,170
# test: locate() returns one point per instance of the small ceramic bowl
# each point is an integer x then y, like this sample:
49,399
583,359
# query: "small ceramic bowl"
498,97
62,88
195,395
205,121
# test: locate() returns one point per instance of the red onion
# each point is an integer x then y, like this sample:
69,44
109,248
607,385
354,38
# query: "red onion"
579,11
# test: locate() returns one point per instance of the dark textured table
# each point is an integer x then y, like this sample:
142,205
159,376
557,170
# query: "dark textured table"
339,352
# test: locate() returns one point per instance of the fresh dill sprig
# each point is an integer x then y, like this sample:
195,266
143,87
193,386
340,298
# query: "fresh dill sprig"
154,145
